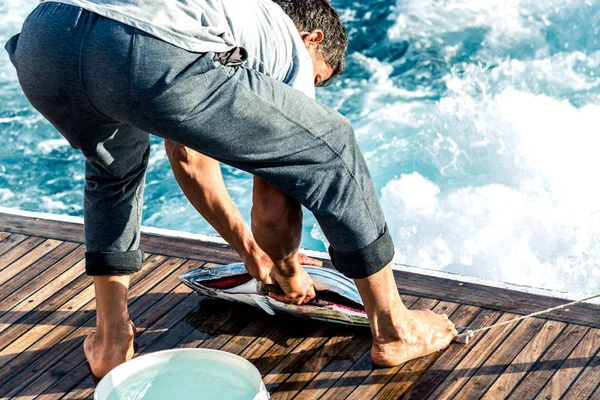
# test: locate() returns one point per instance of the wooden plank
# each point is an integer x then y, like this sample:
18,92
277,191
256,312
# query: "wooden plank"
359,371
583,387
498,360
42,227
448,361
548,364
409,373
28,260
519,366
38,290
351,354
294,359
19,251
54,310
42,342
580,357
31,279
11,241
335,344
4,235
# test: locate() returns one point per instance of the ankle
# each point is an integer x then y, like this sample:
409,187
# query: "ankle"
115,332
390,326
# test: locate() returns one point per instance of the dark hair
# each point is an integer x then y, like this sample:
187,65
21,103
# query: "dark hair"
310,15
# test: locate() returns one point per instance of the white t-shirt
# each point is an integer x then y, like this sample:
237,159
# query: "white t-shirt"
259,26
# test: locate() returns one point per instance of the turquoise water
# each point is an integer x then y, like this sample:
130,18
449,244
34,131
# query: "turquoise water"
479,121
183,379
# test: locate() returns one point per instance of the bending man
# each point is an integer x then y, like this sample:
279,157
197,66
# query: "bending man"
232,80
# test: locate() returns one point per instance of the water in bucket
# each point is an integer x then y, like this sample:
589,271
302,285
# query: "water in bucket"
184,377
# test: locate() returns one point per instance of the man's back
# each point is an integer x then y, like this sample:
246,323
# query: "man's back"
259,26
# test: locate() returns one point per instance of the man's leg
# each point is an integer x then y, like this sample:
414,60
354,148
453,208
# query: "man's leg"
56,79
277,229
111,343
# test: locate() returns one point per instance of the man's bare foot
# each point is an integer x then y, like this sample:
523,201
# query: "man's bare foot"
425,332
106,350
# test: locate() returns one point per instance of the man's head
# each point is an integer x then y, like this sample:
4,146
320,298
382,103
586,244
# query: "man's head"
323,35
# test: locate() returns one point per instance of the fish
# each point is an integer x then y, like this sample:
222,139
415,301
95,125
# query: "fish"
337,299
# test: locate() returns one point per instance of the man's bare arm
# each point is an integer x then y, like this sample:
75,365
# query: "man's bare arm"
200,178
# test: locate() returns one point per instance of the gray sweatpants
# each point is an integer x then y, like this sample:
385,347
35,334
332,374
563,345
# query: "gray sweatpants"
106,86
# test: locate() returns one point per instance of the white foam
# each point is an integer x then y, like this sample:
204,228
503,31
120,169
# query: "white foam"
46,147
541,226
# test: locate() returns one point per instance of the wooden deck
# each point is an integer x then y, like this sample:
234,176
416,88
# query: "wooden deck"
47,308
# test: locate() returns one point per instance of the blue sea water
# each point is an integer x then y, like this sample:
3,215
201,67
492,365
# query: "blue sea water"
479,121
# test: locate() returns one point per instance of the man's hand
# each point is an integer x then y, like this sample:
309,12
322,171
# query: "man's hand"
297,287
303,259
258,264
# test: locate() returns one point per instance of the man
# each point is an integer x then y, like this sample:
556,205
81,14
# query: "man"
232,80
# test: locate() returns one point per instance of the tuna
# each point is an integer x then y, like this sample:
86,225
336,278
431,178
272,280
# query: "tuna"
337,299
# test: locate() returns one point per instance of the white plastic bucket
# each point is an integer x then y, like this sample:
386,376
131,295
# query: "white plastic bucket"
183,374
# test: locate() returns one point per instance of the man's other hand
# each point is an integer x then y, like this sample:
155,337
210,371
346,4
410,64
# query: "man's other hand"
258,264
303,259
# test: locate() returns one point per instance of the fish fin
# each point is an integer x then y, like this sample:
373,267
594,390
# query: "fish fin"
263,303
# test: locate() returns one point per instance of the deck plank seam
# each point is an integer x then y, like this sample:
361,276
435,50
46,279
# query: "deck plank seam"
490,354
26,253
36,309
592,357
84,322
16,243
441,353
308,382
5,295
596,392
78,365
562,362
542,355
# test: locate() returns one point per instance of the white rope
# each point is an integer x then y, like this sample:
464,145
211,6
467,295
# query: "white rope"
464,337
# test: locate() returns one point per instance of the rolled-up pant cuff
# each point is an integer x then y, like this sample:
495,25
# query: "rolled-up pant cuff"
122,263
367,261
